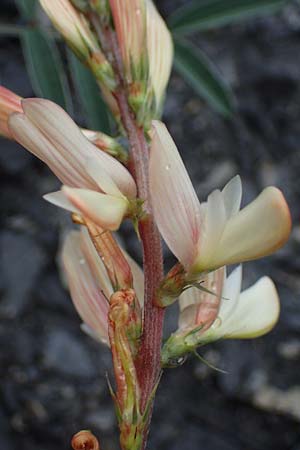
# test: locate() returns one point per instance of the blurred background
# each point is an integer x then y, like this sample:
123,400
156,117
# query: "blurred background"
233,106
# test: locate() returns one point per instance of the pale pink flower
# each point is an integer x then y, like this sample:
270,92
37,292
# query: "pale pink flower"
97,185
238,315
146,49
89,283
225,313
209,235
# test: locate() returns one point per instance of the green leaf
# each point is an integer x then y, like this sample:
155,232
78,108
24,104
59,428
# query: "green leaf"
97,114
27,8
45,67
204,14
200,73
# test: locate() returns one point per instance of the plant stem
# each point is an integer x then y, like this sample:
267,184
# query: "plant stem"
148,363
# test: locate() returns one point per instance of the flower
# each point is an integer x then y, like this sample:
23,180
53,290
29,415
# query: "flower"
89,283
209,235
147,52
96,185
222,311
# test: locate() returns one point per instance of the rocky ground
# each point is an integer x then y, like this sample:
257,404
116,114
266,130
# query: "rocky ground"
52,375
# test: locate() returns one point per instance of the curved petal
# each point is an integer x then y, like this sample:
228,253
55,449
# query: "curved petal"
102,209
176,206
232,196
255,314
101,177
58,198
68,143
212,228
256,231
88,299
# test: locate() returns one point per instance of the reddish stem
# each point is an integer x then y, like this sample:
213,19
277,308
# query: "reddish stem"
148,364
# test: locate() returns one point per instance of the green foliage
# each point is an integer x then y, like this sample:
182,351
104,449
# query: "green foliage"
194,66
201,74
200,15
97,114
45,67
27,8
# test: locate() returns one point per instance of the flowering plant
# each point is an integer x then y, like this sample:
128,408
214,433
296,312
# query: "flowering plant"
129,50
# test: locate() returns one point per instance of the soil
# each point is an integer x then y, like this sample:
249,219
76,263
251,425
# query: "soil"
52,375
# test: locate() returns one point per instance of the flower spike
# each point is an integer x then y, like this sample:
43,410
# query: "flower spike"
213,234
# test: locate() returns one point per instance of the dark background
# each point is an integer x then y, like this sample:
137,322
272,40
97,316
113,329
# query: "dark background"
52,376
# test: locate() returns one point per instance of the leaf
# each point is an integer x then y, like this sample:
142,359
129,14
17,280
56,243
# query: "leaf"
27,8
90,96
201,74
204,14
45,67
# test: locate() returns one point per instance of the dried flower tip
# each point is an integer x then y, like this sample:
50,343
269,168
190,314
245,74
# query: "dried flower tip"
9,104
85,440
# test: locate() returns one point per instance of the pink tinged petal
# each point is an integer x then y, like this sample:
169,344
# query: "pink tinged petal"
176,206
102,209
30,137
74,148
89,301
232,196
256,313
59,199
199,308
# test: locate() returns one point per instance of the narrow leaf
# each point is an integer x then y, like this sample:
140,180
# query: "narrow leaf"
27,8
203,14
45,67
200,73
97,114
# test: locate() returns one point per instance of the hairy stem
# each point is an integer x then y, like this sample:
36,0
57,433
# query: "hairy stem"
148,362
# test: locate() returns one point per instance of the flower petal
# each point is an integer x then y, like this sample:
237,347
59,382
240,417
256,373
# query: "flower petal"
232,196
256,231
255,314
67,146
95,169
58,198
104,210
88,299
176,206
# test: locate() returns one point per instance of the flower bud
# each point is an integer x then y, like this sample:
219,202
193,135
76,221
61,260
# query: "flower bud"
85,440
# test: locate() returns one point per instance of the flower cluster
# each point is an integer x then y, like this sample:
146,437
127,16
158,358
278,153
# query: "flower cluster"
128,47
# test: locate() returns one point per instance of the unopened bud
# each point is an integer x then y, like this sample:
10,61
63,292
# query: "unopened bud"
85,440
